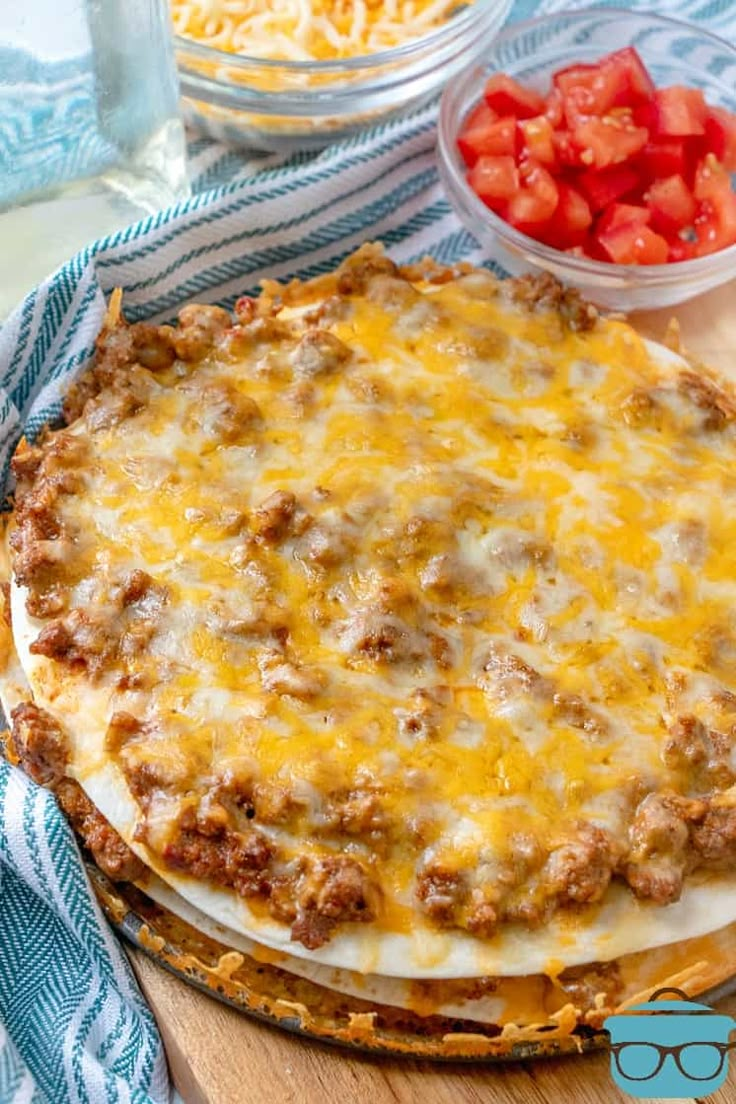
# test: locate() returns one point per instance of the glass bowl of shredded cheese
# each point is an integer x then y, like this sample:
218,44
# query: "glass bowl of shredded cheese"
298,74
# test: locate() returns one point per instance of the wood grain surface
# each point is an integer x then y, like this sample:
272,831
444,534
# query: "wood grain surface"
219,1056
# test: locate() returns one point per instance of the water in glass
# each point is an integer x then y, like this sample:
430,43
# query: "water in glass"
90,134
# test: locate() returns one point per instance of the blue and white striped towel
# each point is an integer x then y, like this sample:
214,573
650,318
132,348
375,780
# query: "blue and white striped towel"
73,1027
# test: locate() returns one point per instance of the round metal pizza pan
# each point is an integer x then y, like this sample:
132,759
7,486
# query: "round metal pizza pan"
301,1007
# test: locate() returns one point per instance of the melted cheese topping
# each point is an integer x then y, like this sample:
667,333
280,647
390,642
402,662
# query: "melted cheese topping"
306,30
501,577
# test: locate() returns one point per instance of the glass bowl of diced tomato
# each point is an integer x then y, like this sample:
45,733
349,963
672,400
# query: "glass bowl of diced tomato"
599,145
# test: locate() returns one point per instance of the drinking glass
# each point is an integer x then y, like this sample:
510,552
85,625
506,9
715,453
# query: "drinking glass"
90,133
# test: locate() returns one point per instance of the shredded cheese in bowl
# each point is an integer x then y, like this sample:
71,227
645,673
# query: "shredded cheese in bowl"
307,30
296,74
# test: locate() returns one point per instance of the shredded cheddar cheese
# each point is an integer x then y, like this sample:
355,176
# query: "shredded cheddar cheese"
435,583
306,30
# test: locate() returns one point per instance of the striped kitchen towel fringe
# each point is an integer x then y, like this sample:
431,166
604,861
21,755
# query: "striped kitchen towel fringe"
75,1025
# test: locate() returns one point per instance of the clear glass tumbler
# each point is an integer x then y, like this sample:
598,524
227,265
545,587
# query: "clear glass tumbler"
90,133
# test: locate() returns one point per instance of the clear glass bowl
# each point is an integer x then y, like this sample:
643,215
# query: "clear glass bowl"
675,53
281,105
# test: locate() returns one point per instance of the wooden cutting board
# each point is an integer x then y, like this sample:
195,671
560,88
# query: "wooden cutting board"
219,1056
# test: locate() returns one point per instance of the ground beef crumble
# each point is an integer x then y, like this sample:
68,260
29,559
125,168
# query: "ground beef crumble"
226,858
42,750
40,744
110,852
545,292
314,898
332,891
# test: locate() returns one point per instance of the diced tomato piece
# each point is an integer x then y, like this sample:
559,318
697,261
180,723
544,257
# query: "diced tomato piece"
568,152
638,85
537,198
480,115
574,111
623,214
494,179
588,248
607,141
672,204
716,227
508,97
715,223
711,179
681,250
720,136
494,139
633,243
574,208
554,107
680,111
645,115
576,114
603,187
724,211
571,219
664,157
575,76
594,249
590,89
536,139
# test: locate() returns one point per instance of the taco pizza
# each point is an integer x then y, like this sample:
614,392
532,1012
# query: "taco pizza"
387,624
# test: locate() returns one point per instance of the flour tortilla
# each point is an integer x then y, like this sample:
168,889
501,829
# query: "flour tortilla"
621,926
697,966
395,992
